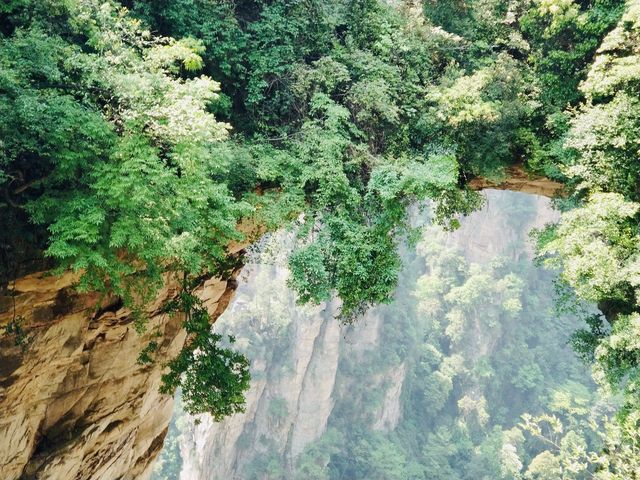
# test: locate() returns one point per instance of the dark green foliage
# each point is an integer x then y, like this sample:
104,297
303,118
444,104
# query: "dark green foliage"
16,330
565,37
212,378
336,95
584,342
95,150
114,161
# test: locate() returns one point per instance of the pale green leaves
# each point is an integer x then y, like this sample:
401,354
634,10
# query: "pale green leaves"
415,177
607,139
176,54
463,102
617,64
561,13
568,457
597,246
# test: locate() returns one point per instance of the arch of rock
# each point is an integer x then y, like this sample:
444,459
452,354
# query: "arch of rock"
75,403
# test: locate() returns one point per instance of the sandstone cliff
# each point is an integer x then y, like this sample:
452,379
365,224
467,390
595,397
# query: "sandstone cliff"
74,403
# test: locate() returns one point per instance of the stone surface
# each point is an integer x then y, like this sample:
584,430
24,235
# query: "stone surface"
389,415
303,368
300,376
74,402
518,180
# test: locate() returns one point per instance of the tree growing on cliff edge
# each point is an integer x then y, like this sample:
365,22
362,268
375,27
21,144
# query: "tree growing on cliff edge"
115,161
112,158
107,143
109,147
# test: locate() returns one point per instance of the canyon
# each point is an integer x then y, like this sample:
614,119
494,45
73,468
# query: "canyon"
74,402
305,364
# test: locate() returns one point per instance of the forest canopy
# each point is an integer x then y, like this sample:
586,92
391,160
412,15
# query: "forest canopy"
136,135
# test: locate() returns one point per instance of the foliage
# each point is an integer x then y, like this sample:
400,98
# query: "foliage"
596,244
617,360
564,36
568,457
15,329
117,162
598,247
84,132
471,342
482,115
336,104
212,378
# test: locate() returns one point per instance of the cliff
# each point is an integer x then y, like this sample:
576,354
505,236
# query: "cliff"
296,353
74,403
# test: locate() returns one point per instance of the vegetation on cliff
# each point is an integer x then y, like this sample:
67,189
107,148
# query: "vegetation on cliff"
122,157
467,374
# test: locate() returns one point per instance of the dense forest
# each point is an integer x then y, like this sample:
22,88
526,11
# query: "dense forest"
449,381
136,136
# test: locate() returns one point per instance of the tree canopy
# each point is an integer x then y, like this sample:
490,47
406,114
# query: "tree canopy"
135,135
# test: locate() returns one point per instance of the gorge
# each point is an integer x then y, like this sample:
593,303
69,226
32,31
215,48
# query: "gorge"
151,149
75,402
320,390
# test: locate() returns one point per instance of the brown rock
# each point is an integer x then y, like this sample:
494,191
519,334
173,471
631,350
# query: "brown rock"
518,180
74,402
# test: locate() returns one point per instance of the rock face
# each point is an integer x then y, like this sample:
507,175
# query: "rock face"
290,399
477,233
74,403
518,180
389,414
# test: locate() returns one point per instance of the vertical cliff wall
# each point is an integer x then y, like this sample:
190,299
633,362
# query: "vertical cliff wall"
74,403
291,392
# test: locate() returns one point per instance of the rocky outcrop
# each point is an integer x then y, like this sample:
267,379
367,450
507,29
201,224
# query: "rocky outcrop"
294,386
518,180
307,367
289,402
389,415
477,233
315,401
74,402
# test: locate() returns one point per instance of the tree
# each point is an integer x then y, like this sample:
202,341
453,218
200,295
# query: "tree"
108,144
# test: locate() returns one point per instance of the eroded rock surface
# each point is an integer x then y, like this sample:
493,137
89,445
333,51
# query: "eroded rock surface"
306,366
74,402
518,180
